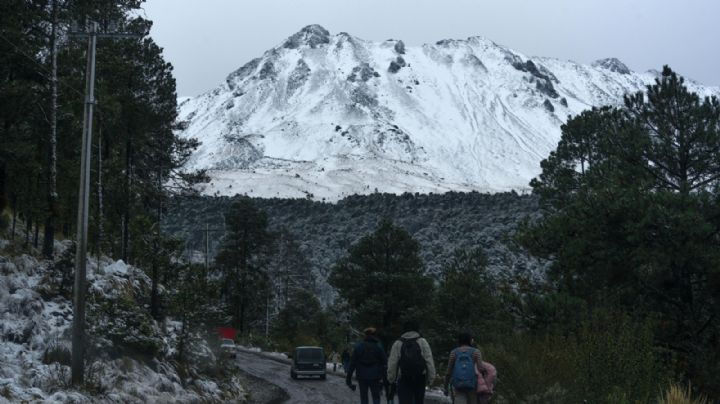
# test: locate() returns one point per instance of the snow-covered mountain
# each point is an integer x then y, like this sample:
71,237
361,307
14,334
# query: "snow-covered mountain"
326,116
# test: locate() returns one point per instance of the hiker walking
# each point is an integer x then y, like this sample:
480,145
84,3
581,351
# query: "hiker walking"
334,358
369,362
462,371
411,366
345,357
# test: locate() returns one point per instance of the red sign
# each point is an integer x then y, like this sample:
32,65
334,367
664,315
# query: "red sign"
226,332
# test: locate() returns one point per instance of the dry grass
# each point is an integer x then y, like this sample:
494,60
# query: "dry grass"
676,394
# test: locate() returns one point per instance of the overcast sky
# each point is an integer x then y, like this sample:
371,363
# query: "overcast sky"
207,39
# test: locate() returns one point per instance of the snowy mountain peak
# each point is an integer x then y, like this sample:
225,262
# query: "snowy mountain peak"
312,36
612,64
326,116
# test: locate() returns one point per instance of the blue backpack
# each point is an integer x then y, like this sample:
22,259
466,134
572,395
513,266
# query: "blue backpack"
463,376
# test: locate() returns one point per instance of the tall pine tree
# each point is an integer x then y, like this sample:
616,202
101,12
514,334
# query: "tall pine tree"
242,261
383,279
632,216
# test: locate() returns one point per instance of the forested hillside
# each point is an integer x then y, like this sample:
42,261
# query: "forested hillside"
441,223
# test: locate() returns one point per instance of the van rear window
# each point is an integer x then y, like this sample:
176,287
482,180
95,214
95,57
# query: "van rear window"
309,355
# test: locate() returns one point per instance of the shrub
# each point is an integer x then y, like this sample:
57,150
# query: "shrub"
616,359
57,353
94,379
675,394
127,324
58,378
4,221
609,359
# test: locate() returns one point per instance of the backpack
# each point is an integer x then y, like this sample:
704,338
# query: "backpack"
370,354
412,363
486,377
463,376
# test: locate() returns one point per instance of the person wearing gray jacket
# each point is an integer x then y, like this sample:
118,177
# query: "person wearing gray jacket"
410,365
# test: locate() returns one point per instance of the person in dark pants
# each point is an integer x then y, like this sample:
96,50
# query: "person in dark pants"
345,360
411,365
369,362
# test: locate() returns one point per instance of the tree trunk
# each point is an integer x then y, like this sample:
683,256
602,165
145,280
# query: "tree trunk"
126,214
101,216
28,229
183,337
154,296
13,204
3,196
37,233
49,235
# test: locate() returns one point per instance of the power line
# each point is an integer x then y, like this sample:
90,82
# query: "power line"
44,72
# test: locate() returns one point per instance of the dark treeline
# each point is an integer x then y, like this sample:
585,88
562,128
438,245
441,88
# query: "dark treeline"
441,223
136,156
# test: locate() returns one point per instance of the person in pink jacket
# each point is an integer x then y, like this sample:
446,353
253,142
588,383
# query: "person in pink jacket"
486,376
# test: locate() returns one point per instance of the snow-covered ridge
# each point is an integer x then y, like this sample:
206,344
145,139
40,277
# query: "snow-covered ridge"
326,116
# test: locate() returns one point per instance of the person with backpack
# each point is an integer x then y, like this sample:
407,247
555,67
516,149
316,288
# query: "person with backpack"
411,365
369,362
462,371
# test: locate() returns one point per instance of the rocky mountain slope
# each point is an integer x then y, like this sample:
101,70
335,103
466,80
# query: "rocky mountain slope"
325,116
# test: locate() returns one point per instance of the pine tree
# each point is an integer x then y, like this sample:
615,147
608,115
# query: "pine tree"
242,260
637,226
383,279
188,304
289,268
301,321
467,300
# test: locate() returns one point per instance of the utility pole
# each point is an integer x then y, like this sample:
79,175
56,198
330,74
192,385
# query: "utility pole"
77,364
78,327
207,231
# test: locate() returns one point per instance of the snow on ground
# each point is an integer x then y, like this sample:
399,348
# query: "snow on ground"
35,343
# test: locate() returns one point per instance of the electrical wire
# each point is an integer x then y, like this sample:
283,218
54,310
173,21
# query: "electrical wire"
43,69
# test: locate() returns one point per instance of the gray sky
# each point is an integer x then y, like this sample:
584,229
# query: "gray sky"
207,39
